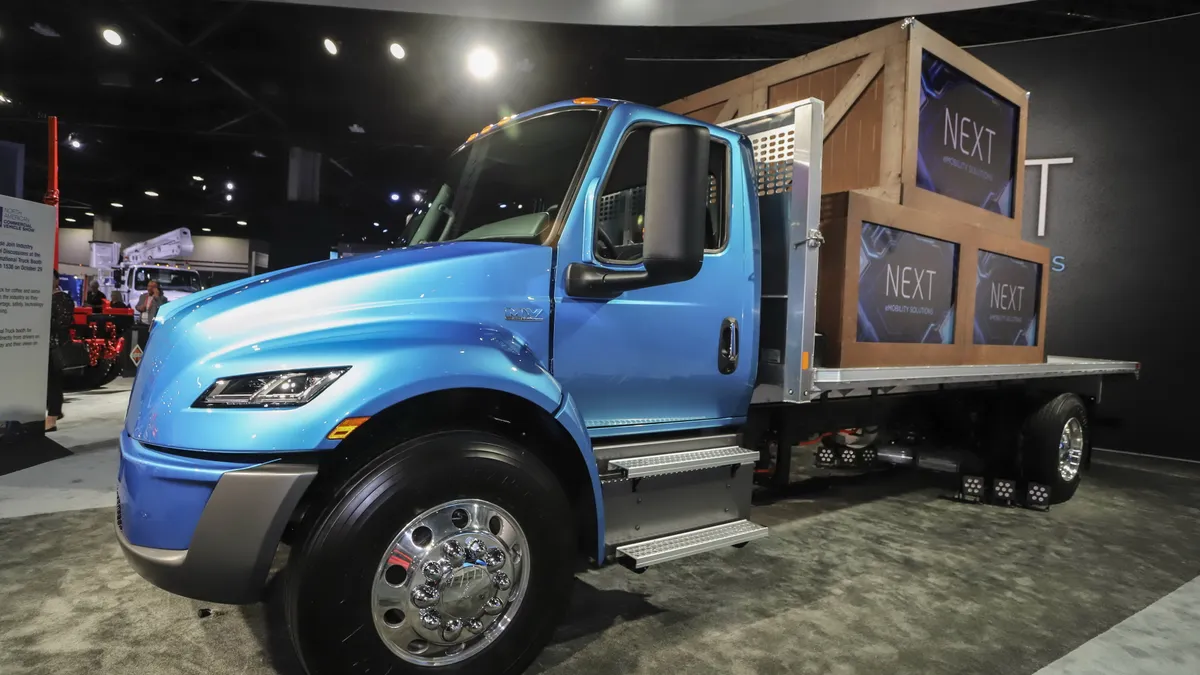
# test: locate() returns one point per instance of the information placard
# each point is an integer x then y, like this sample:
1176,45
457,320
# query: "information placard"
26,283
906,287
966,143
1007,291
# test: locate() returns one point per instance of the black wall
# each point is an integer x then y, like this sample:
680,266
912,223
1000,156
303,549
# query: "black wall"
1122,220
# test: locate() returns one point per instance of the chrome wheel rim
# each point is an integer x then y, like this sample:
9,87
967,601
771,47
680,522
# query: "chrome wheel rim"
450,583
1070,449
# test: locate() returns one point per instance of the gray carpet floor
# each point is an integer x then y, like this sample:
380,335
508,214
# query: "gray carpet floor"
860,576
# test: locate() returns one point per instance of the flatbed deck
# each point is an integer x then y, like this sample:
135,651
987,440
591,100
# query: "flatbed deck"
861,381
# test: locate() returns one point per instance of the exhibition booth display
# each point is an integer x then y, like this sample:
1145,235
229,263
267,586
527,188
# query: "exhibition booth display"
923,174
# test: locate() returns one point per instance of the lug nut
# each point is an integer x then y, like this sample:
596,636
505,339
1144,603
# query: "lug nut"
475,626
476,549
501,581
434,570
493,558
430,620
454,552
452,630
493,606
426,595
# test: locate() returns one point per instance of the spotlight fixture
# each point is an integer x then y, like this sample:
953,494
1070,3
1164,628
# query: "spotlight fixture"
395,196
482,63
826,456
70,220
4,99
972,488
242,223
1003,490
206,229
195,80
229,186
376,224
1038,496
117,205
89,214
151,193
417,197
112,37
331,47
228,198
385,230
157,80
199,179
396,50
74,142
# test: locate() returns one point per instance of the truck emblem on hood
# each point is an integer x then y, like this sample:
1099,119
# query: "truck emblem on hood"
523,314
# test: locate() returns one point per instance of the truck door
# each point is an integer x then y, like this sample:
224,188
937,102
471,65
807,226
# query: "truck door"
679,354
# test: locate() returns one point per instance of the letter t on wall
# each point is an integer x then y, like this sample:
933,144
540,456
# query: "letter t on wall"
1045,165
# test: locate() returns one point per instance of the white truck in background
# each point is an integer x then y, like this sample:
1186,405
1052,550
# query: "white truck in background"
147,261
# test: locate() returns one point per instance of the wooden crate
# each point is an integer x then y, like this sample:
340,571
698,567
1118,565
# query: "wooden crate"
871,85
897,286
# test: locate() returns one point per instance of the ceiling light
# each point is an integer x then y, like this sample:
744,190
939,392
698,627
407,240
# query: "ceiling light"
396,50
376,224
385,230
195,79
242,223
74,143
198,178
5,99
151,193
417,197
481,62
228,198
229,186
70,220
206,229
117,205
357,129
89,214
331,47
395,196
157,80
204,187
112,37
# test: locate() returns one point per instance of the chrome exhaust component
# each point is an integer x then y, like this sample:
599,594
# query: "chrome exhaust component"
929,459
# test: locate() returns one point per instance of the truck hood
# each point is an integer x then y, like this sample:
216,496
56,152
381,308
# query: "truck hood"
309,316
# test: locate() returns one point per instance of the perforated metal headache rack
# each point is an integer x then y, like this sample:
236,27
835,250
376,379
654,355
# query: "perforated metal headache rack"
787,143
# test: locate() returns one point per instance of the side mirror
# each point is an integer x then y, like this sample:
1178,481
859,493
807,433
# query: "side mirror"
676,202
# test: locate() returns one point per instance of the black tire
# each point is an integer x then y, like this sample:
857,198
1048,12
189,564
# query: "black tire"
327,594
1040,445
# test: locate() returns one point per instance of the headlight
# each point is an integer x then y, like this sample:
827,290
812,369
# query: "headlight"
286,389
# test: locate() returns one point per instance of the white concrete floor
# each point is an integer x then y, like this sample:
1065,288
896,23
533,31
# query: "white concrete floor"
85,480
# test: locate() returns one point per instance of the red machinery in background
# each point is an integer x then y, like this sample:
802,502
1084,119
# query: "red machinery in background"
103,333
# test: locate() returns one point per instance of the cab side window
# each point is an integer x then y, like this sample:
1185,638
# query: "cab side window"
620,212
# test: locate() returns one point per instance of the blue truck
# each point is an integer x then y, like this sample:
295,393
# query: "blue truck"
590,347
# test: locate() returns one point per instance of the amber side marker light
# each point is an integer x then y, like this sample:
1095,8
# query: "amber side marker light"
586,100
346,426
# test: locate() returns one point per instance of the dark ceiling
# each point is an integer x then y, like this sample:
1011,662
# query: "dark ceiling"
222,90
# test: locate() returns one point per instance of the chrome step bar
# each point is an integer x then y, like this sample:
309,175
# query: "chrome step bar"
684,544
689,460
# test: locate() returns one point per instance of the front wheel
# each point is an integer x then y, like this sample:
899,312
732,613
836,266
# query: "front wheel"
449,552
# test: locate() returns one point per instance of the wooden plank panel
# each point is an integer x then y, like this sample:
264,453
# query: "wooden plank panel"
852,89
708,114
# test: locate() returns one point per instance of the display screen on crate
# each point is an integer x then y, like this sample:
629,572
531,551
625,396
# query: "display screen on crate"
1007,293
966,144
906,287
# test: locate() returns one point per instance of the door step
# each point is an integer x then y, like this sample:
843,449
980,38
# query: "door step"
676,462
684,544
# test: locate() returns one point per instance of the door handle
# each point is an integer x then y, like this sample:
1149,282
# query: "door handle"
727,350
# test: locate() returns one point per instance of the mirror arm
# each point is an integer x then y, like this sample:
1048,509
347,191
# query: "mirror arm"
590,281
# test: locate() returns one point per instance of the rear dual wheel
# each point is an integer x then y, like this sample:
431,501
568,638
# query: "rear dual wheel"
1055,444
450,552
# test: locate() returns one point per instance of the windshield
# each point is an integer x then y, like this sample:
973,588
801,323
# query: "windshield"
168,279
509,184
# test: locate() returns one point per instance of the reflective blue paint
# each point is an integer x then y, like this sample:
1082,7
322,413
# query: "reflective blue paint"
162,495
406,322
649,356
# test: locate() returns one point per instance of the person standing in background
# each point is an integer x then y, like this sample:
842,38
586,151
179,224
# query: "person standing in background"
62,314
95,297
149,304
118,301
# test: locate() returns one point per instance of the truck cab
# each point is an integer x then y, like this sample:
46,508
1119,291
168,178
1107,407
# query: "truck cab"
561,367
